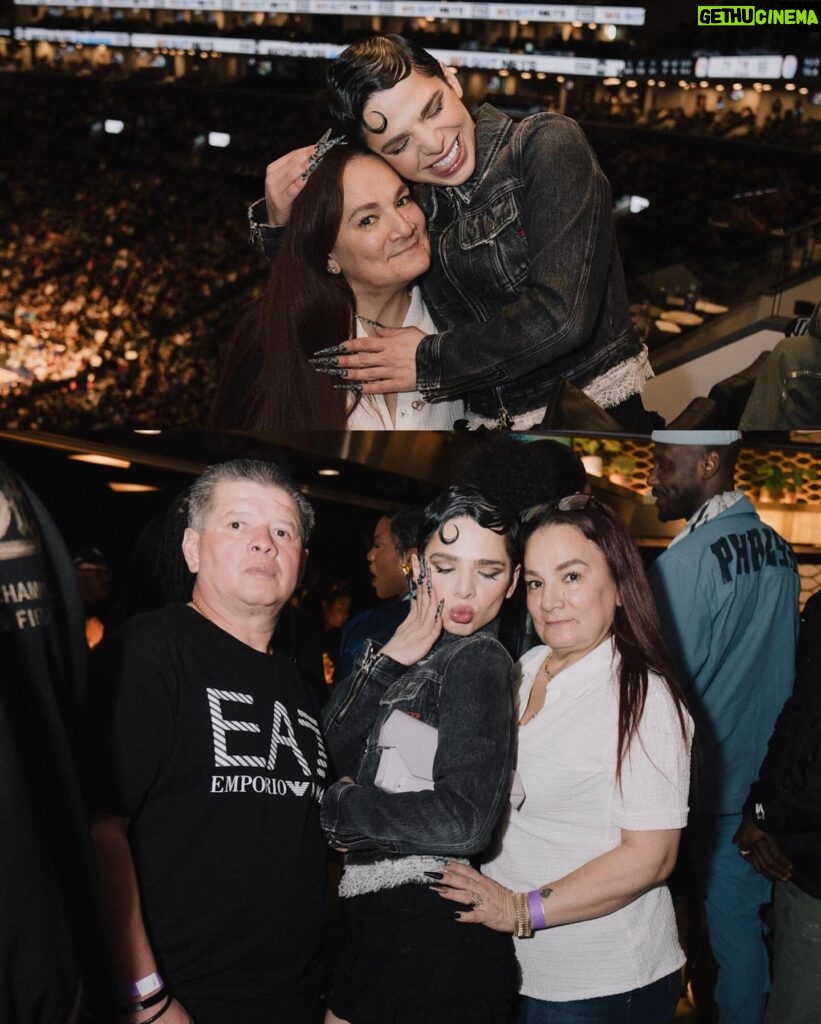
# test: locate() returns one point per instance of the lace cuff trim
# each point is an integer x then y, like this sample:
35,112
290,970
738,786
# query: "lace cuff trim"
358,879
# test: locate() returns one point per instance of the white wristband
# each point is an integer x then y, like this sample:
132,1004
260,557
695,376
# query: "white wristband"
145,986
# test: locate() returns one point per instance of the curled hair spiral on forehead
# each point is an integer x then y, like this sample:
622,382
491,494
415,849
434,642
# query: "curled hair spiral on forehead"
368,66
636,629
463,501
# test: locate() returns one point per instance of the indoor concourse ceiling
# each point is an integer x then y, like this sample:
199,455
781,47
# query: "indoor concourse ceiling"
371,470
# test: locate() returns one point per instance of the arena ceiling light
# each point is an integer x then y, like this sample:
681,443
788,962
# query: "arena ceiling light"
111,126
220,140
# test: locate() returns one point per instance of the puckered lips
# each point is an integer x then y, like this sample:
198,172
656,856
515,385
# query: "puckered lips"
461,614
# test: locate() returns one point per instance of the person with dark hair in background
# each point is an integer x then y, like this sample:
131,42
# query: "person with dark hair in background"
210,769
517,474
604,758
727,594
355,246
48,938
94,579
780,834
526,282
403,960
395,537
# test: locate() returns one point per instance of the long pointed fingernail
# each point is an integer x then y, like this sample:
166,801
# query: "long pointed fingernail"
324,361
353,386
439,608
332,350
331,371
433,874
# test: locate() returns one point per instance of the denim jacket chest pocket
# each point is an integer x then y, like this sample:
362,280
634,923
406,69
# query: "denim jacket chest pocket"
416,694
492,247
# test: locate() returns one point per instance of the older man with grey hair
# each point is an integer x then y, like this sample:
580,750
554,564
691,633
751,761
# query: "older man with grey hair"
211,768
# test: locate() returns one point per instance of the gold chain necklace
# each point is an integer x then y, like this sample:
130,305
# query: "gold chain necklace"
367,320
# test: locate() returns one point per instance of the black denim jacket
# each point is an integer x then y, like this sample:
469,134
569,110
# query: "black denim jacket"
526,278
464,688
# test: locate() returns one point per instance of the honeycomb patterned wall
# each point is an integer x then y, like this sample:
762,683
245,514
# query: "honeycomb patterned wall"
809,493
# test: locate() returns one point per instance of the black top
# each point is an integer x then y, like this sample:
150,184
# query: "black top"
786,801
213,751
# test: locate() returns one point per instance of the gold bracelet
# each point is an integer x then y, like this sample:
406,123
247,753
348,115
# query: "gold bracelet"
521,916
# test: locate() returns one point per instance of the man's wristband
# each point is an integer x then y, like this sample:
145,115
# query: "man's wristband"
145,1003
144,986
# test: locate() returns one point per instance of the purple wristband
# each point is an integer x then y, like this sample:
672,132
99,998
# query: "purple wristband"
534,903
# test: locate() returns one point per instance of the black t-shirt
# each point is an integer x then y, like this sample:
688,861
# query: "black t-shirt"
46,889
213,751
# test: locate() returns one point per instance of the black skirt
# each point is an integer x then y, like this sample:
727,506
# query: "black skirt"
407,960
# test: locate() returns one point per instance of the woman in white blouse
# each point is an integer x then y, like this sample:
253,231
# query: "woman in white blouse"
604,754
355,244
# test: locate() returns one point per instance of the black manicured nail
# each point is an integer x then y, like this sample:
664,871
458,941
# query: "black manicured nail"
331,350
324,363
347,387
434,874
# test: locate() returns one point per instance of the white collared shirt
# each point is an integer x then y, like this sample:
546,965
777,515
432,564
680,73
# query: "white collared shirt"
412,411
574,811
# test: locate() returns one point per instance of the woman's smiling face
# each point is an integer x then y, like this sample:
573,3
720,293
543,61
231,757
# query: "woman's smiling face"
382,241
471,572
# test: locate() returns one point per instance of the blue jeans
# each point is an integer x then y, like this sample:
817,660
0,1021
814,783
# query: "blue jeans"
652,1004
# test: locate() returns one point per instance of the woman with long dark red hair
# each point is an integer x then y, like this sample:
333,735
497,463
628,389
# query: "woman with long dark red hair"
604,757
355,244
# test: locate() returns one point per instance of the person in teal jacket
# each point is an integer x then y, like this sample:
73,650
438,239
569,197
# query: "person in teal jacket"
727,594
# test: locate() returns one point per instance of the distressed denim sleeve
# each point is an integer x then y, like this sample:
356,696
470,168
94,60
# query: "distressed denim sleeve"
471,771
565,207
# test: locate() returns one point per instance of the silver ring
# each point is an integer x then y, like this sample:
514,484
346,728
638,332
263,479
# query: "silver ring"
478,899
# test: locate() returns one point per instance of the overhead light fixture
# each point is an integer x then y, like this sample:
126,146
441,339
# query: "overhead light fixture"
102,460
328,471
123,488
147,432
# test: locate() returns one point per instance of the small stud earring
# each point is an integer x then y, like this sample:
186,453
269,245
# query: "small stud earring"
333,268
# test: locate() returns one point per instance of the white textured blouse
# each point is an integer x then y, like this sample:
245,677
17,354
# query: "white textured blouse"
412,411
574,811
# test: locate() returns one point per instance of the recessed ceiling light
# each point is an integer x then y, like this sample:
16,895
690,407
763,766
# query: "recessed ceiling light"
122,488
102,460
